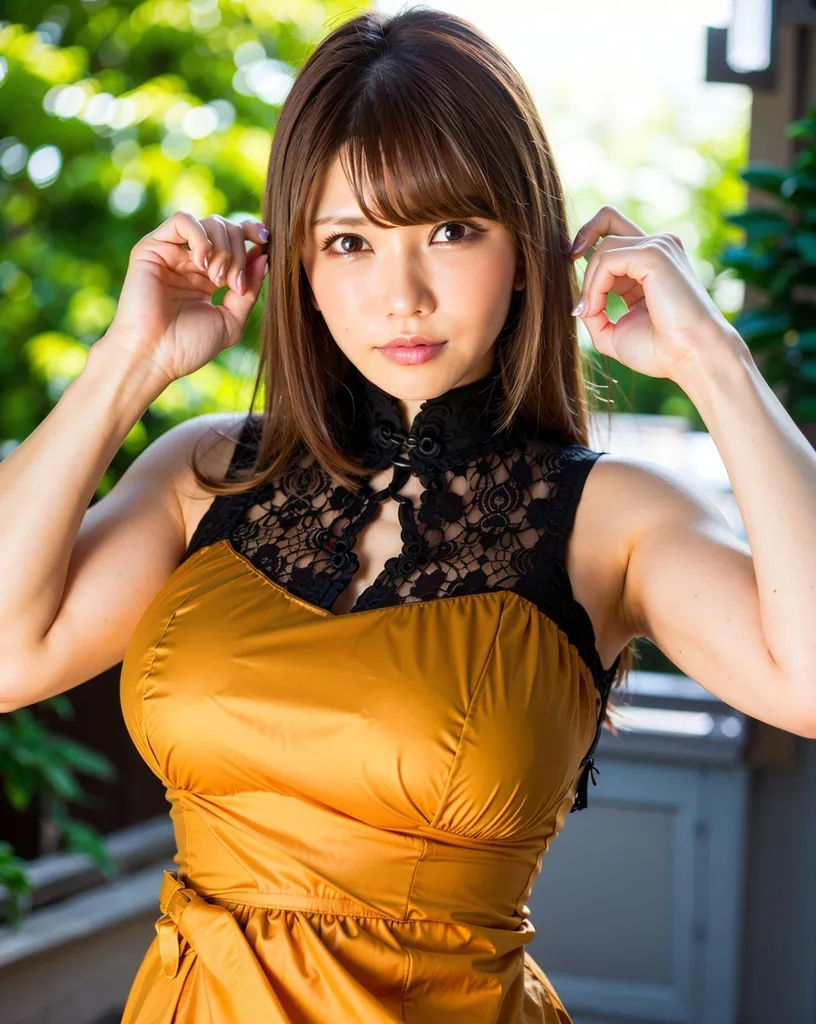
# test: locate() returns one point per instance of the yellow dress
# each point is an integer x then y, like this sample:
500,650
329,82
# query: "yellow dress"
361,801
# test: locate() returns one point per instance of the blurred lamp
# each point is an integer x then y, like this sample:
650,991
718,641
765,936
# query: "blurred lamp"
748,45
745,50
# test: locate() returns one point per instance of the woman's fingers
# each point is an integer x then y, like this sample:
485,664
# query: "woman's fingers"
255,231
216,246
181,228
228,258
236,277
238,306
221,254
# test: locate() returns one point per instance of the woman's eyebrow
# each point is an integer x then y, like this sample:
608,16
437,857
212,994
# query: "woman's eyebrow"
348,221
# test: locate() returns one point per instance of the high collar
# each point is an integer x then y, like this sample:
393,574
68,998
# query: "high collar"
448,430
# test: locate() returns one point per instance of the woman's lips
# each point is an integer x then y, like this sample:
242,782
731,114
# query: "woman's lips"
412,355
414,339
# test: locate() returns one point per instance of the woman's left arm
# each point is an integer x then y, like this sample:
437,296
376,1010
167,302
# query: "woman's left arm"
762,622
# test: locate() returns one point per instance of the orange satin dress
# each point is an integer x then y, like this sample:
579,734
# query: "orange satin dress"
361,801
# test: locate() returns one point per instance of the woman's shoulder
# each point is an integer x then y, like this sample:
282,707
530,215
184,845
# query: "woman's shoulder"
642,493
623,496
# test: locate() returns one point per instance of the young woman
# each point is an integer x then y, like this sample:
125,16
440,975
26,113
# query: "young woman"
368,643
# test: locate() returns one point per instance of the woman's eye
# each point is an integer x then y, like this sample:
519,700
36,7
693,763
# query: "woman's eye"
346,252
328,242
455,224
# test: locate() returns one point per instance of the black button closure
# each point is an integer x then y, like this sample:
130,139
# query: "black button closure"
448,430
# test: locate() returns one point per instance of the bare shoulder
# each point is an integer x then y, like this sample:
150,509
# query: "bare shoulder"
210,439
639,493
623,496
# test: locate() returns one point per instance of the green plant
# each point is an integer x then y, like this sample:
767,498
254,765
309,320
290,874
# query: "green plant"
13,876
778,259
112,117
36,763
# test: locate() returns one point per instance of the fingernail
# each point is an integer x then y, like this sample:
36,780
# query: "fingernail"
578,308
263,234
206,262
578,245
241,283
219,277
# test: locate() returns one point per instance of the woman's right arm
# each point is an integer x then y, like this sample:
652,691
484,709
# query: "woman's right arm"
60,626
75,578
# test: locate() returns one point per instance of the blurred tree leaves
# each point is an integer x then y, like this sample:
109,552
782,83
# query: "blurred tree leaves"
112,116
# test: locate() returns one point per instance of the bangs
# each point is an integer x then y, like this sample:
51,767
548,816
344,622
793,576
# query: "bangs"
407,164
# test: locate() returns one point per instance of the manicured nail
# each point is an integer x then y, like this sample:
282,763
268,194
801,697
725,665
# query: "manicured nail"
241,283
578,245
206,262
578,308
263,234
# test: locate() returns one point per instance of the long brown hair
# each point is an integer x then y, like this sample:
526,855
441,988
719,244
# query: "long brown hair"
426,95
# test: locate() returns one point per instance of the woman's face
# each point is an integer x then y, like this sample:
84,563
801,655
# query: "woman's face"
451,282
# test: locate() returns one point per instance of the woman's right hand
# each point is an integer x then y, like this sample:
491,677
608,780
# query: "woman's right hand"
164,314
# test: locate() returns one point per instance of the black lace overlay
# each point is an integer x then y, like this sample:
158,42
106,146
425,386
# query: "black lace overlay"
495,512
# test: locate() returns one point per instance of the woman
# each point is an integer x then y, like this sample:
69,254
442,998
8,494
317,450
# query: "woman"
371,666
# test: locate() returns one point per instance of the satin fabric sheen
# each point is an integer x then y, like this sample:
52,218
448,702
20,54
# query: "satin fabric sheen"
361,802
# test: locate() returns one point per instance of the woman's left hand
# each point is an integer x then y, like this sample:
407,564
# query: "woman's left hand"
671,318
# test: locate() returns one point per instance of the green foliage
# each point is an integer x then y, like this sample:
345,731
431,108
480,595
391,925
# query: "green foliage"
778,259
13,876
38,764
34,760
112,116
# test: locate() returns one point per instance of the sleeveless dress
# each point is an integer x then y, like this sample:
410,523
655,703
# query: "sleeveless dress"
362,800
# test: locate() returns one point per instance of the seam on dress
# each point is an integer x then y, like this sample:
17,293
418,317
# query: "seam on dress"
477,690
232,855
146,679
229,901
536,869
143,687
418,861
143,709
406,980
534,872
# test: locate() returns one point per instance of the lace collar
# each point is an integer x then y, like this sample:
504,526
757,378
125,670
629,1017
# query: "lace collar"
448,430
